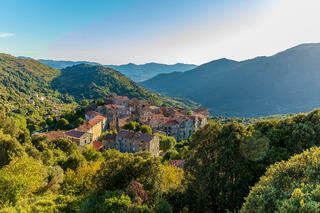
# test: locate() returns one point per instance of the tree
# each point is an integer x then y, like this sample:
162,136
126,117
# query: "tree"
79,121
136,192
220,175
172,178
19,179
119,169
62,124
100,102
166,142
132,125
146,129
9,148
85,103
81,181
91,154
65,145
288,186
162,206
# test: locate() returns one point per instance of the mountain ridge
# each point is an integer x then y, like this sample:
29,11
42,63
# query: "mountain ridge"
136,72
278,84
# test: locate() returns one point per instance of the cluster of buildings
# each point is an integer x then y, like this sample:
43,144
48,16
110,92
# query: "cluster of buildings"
118,110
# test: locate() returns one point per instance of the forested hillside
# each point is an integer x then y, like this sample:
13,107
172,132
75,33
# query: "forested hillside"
287,82
25,88
93,82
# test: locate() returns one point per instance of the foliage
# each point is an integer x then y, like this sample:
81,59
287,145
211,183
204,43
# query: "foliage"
19,179
119,169
146,129
288,186
166,142
224,161
132,125
162,206
91,154
172,178
81,181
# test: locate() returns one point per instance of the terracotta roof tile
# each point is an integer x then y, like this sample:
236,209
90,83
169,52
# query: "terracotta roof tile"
97,145
53,135
75,133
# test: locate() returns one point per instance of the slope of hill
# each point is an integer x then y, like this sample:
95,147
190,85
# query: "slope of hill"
146,71
25,87
92,82
287,82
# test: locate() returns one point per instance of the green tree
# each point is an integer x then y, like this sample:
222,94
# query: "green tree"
132,125
220,174
166,142
288,186
91,154
62,124
119,169
85,103
146,129
79,121
162,206
9,148
22,177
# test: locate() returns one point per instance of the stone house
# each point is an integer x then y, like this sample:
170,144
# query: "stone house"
82,139
132,142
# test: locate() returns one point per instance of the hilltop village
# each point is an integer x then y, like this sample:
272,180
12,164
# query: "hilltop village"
118,111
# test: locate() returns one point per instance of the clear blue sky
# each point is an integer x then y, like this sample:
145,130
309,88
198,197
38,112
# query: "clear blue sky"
167,31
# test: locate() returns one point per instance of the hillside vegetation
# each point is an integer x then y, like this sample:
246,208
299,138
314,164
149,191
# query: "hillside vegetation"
25,87
92,82
287,82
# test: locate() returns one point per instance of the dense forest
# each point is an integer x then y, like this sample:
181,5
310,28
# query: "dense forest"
223,162
286,82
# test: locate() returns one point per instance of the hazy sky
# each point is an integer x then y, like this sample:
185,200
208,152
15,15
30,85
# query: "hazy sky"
166,31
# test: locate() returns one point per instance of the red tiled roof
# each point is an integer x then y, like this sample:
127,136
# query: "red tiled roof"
53,135
172,122
99,117
90,113
75,133
135,136
124,98
111,106
97,145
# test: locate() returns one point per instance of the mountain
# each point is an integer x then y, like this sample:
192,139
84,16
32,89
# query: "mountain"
60,64
145,71
287,82
64,64
86,81
25,87
133,71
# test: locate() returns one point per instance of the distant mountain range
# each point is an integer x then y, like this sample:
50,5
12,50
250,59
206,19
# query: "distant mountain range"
135,72
287,82
143,72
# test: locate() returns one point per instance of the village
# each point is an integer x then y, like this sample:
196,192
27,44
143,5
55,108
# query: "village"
118,111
